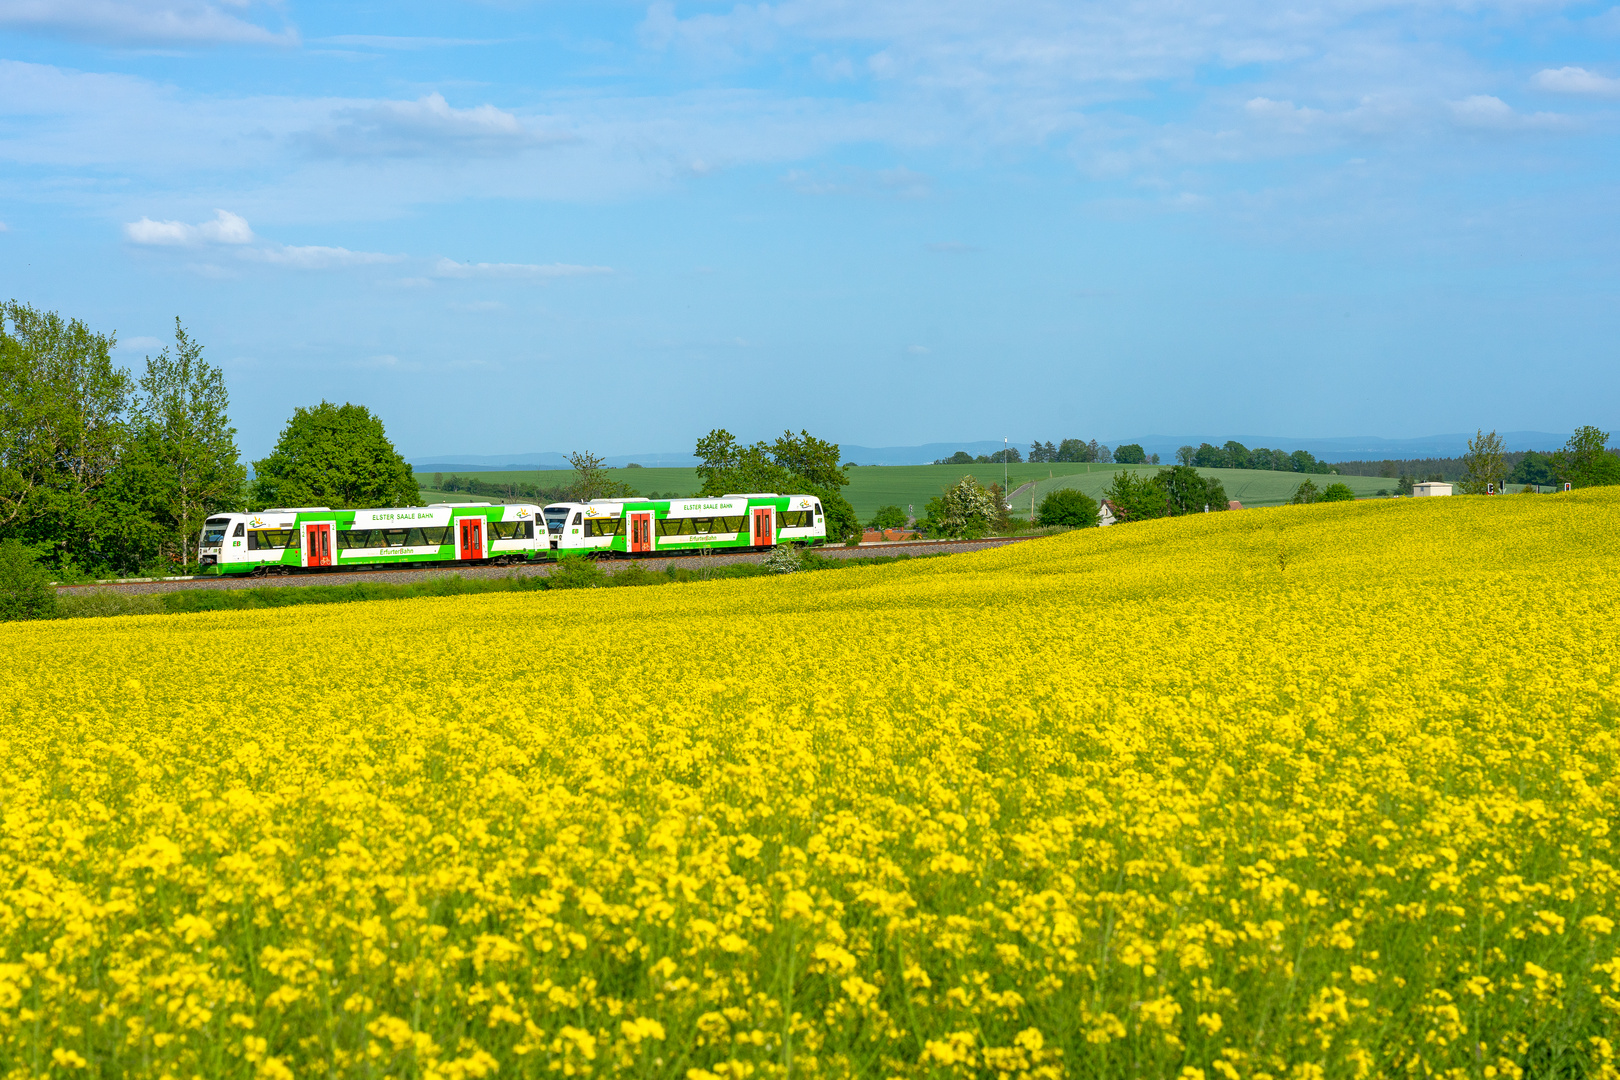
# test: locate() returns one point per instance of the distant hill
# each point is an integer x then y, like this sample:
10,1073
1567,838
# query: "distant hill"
1338,448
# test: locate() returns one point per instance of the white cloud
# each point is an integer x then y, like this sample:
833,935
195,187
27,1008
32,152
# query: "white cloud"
1489,113
449,268
141,22
140,343
425,127
1575,80
314,257
226,228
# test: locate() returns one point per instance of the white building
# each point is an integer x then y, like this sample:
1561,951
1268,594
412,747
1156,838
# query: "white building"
1430,487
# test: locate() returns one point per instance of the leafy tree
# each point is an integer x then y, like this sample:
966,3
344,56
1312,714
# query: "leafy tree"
1208,456
1001,520
1237,455
1098,452
1585,460
1485,462
1303,461
438,481
337,456
1185,454
965,509
1130,454
1136,497
808,457
1011,454
1306,493
1072,450
25,586
1068,506
1533,468
1336,492
62,434
728,467
182,425
1188,492
961,457
592,480
887,517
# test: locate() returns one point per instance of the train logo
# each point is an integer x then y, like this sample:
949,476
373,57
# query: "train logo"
591,511
257,522
522,514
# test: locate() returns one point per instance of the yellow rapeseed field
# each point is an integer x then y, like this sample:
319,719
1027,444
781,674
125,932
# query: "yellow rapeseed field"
1316,791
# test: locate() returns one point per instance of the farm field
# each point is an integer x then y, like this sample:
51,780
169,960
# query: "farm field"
870,486
1251,487
1321,791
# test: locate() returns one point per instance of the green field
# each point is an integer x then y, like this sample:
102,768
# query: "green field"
872,486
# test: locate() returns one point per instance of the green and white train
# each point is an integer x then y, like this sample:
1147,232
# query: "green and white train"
299,538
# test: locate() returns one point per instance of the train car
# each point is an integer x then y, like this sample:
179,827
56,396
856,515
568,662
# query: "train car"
664,526
313,537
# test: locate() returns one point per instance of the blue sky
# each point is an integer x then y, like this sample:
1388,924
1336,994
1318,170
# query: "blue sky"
515,227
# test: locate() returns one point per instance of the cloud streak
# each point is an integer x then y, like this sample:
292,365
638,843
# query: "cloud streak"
428,126
1576,80
226,228
449,268
140,22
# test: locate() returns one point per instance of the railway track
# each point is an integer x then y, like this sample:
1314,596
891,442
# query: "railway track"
405,574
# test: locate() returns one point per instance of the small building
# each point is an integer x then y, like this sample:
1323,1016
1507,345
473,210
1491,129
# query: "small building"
1233,504
1105,514
1430,487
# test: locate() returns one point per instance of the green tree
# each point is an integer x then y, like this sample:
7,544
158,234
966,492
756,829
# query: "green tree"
966,509
1306,493
1188,492
1001,520
1237,455
1136,497
1185,454
1130,454
1336,492
1533,468
592,479
182,424
728,467
812,459
887,517
25,586
1585,460
1485,462
1068,506
63,433
337,456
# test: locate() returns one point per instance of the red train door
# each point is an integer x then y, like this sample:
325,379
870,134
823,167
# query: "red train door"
319,551
764,535
471,531
641,532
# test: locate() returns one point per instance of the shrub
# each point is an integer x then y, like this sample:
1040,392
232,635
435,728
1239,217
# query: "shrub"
784,559
969,510
1337,493
1067,506
25,587
888,517
636,574
577,572
1306,493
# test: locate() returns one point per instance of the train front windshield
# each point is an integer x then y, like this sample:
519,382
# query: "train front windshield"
556,518
214,532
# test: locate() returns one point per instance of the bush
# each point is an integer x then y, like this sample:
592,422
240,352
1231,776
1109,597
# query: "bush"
888,517
1067,506
25,587
577,572
784,559
1337,493
636,574
1306,493
99,603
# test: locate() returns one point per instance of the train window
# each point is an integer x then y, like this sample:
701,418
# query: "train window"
604,526
795,519
818,508
511,530
730,524
578,518
675,527
214,533
273,539
432,537
556,518
239,529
